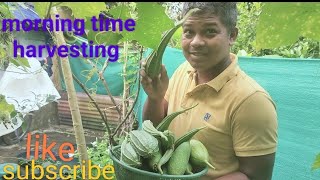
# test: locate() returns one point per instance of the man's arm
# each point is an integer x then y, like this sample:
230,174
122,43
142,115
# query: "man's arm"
254,132
253,168
155,110
155,107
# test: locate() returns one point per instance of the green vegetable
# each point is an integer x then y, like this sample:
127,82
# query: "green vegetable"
187,136
165,123
144,143
154,60
178,162
199,154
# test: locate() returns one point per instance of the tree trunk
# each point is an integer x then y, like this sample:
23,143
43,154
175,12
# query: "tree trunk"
72,99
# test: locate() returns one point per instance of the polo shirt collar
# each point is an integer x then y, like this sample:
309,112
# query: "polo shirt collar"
218,82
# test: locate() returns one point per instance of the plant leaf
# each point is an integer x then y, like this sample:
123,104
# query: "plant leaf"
107,38
80,9
151,22
41,8
282,24
120,12
4,106
102,37
5,12
316,164
20,61
85,9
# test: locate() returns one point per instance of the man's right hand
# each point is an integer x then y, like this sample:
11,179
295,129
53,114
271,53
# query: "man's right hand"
157,87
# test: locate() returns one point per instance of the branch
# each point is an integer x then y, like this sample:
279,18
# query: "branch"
48,12
105,65
103,116
101,77
135,100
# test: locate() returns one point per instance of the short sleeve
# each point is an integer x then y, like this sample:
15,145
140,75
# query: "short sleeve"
254,126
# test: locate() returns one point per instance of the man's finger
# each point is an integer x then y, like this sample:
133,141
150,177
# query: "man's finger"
144,78
143,63
164,73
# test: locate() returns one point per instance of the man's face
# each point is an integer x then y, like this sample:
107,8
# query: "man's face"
205,41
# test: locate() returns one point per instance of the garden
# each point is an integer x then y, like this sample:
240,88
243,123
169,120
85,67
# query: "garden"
70,91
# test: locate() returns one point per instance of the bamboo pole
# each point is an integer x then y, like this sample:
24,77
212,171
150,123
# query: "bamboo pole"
56,73
72,99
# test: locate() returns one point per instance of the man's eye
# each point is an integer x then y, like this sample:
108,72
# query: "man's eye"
211,31
187,32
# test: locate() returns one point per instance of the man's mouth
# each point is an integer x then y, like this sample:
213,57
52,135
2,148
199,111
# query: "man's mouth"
198,53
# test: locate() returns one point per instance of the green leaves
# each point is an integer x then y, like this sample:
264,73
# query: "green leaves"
7,54
85,9
5,109
150,24
4,9
316,164
120,12
41,8
20,61
79,9
281,24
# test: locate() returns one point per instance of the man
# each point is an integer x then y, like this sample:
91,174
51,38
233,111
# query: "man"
241,118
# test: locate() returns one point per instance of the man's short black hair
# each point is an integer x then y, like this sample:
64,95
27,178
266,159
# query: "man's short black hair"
226,11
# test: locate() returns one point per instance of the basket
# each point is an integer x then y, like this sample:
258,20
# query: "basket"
125,172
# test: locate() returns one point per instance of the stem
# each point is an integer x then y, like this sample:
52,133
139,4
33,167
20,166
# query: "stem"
135,100
103,116
101,77
48,12
124,96
109,92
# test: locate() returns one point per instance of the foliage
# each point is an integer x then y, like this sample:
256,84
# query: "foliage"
44,163
99,155
6,46
144,13
247,19
131,65
254,24
282,24
174,9
151,22
316,164
79,9
5,110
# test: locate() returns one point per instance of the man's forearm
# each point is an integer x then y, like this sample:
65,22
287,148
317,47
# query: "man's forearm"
154,111
234,176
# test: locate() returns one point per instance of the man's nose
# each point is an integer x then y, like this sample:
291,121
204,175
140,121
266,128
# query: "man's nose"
197,41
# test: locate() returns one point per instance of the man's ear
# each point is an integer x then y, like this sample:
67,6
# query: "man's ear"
233,36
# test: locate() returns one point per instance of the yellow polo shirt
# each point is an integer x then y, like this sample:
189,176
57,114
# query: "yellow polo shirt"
239,114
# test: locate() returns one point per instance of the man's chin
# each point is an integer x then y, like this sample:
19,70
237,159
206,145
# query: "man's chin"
197,63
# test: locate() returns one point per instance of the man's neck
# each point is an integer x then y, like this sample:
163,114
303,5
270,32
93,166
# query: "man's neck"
206,76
